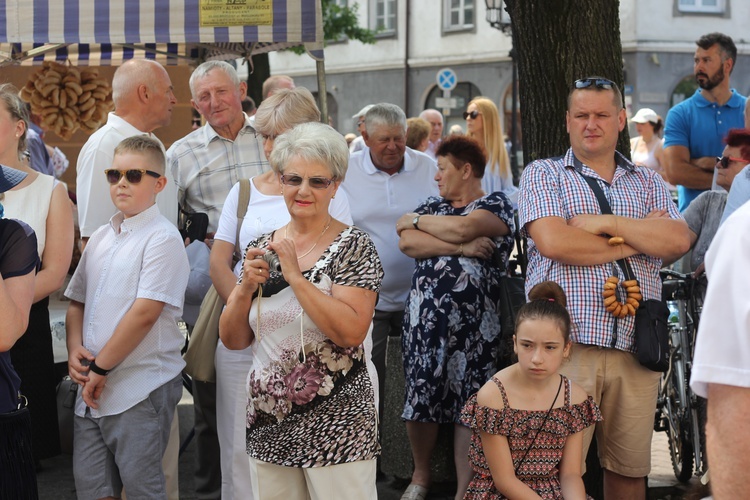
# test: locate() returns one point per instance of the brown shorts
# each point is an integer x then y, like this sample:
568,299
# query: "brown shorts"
626,394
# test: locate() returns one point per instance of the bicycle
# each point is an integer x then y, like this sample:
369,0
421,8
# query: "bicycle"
679,411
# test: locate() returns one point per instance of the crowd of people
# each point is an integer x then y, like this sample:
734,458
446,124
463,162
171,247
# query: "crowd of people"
323,249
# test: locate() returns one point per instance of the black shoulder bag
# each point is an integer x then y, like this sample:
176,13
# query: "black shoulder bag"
651,318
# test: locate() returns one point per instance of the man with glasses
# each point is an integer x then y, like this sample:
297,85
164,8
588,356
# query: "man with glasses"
383,182
696,127
205,164
569,244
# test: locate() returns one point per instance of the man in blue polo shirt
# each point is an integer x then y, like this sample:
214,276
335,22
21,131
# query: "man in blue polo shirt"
696,127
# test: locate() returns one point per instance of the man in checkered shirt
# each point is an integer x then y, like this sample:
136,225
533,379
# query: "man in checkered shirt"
568,244
205,164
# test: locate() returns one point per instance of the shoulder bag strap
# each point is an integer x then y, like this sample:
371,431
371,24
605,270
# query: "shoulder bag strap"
607,210
242,202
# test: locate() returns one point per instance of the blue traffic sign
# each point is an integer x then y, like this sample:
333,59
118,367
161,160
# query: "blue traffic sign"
446,79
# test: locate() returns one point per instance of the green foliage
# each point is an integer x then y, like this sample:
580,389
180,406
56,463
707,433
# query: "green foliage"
341,22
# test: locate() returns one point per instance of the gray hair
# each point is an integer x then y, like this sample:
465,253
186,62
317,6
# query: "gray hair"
313,142
130,76
384,114
18,111
208,66
285,109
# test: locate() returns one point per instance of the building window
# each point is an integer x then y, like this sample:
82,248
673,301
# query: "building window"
458,15
707,6
383,16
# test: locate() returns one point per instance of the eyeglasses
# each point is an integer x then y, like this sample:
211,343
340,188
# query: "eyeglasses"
723,161
268,137
360,123
313,182
600,83
133,175
473,114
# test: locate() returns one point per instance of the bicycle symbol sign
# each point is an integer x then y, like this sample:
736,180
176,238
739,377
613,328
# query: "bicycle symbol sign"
446,79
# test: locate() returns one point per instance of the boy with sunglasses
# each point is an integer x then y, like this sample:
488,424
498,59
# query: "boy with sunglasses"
122,335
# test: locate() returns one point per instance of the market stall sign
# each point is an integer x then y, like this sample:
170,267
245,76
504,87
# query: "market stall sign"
215,13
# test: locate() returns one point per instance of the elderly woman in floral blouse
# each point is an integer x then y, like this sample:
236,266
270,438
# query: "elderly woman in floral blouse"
461,240
305,301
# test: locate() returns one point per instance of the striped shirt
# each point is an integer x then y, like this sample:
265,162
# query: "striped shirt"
206,165
554,187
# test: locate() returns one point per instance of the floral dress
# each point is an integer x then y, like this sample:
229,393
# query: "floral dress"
312,403
451,323
539,470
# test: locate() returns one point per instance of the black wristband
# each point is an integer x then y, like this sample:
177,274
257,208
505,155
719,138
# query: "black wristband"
98,369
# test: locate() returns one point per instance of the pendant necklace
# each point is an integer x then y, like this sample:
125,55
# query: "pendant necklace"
316,241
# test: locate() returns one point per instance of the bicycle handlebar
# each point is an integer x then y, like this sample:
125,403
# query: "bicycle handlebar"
669,273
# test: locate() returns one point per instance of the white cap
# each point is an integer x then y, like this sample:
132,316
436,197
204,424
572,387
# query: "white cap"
645,115
362,112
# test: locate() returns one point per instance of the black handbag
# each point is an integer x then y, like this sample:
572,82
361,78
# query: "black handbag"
651,318
67,391
194,225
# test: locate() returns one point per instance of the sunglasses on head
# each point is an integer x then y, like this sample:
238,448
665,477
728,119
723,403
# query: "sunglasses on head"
600,83
723,161
473,114
313,182
133,176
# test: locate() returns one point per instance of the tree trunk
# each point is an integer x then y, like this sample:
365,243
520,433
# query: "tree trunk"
258,74
556,43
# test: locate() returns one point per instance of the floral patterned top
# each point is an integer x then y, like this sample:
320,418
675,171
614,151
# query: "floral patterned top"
312,403
539,470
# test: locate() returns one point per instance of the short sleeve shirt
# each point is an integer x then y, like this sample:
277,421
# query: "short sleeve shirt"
142,257
722,350
18,257
555,188
701,125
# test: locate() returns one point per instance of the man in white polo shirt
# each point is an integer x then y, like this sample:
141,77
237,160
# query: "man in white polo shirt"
385,180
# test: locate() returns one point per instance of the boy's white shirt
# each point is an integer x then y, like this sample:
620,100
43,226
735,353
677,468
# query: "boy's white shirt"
139,257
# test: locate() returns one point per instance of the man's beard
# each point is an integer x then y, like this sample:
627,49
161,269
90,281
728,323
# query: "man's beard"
709,83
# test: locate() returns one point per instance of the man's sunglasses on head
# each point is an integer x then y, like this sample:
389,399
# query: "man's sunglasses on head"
600,83
133,176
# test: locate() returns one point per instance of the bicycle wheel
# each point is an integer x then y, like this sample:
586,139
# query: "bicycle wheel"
678,433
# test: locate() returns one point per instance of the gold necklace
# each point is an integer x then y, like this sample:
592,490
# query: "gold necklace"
330,219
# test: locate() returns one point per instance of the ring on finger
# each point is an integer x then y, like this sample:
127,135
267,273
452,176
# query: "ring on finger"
259,271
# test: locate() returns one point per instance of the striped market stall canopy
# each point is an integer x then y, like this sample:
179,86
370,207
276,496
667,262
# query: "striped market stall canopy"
108,32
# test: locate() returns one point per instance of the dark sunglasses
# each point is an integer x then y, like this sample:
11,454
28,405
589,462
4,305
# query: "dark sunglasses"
473,114
600,83
313,182
134,175
723,161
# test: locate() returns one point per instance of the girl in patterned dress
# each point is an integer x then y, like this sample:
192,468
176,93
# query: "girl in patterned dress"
527,422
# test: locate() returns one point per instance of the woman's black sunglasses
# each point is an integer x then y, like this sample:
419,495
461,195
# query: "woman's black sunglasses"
134,175
473,114
723,161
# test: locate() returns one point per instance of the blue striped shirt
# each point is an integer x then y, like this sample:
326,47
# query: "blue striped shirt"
554,187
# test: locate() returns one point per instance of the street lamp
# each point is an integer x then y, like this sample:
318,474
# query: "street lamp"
498,21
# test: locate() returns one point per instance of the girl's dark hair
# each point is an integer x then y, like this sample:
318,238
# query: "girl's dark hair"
547,300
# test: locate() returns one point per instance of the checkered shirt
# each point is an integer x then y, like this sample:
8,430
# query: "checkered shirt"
554,187
205,166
